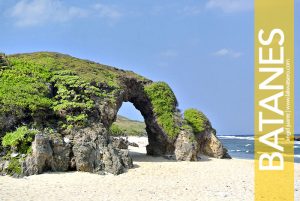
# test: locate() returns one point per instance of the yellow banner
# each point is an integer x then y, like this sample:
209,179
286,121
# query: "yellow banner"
274,96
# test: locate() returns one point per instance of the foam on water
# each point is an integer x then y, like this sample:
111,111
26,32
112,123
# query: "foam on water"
297,156
235,137
243,146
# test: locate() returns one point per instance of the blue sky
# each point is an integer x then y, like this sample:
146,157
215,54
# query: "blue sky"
202,49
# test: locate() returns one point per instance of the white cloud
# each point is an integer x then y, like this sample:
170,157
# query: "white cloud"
230,6
228,53
39,12
107,11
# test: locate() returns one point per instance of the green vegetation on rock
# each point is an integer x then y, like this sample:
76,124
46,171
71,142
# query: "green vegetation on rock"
87,70
20,139
164,105
19,142
40,84
14,167
74,98
196,119
23,87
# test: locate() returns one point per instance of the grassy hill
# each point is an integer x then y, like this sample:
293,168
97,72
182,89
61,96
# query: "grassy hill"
129,127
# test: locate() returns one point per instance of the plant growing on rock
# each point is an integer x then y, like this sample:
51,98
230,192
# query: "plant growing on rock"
196,119
20,140
23,87
74,97
164,105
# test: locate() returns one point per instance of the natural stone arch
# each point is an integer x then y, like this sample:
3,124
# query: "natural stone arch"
159,142
89,147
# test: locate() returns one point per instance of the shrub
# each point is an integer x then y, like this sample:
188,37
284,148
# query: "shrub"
164,105
115,130
74,96
14,167
24,87
20,139
196,119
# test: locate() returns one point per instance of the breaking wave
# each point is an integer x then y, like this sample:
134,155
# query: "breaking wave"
235,137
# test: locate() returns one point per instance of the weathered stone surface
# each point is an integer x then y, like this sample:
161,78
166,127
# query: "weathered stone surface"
119,142
94,153
41,158
210,145
89,151
186,146
3,166
116,161
61,154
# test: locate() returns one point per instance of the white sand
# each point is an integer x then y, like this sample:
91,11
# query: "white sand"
153,178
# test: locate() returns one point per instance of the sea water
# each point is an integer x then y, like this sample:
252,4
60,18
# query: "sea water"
242,146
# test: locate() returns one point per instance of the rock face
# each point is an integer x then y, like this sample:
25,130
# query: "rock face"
210,145
89,151
186,146
87,146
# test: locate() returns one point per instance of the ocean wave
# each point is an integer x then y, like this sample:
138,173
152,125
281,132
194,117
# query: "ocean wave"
238,150
296,142
247,145
297,156
296,146
235,137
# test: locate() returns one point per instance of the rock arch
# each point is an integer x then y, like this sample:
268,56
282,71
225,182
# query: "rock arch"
89,148
159,143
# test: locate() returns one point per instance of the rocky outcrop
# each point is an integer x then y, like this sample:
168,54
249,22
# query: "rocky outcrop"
210,145
186,146
81,118
159,142
3,62
88,151
119,142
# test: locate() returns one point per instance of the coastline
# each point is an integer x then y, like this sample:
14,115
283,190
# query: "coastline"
152,178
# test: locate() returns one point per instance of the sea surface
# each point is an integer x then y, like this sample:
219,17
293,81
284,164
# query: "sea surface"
242,146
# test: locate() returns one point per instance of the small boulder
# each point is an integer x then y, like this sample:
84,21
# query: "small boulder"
120,143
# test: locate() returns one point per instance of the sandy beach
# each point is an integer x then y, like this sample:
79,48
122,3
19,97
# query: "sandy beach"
152,178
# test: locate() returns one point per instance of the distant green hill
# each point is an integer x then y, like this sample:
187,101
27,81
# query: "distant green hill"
128,127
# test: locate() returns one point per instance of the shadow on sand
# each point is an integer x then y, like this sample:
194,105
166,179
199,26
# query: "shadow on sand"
143,157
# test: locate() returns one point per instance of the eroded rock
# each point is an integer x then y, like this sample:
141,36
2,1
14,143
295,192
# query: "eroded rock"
89,151
210,145
119,142
84,144
186,146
